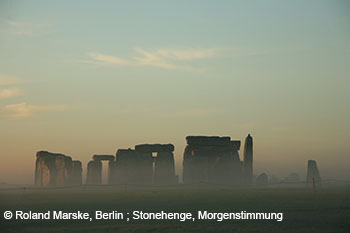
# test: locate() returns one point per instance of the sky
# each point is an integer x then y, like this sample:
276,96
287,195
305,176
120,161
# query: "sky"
91,77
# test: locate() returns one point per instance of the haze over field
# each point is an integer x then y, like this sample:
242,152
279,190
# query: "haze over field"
84,78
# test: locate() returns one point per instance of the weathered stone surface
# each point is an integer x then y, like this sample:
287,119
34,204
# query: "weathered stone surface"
312,172
140,167
112,172
132,167
262,180
164,168
94,172
52,169
146,148
103,157
94,169
77,171
213,149
248,159
212,159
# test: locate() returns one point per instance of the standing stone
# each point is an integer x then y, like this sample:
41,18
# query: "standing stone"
112,172
163,163
133,167
164,168
312,172
236,167
211,159
248,159
124,162
52,169
138,166
77,171
188,166
110,159
143,168
94,172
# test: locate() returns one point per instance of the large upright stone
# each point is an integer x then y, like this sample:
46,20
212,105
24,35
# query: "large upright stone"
133,167
52,169
164,168
138,166
248,159
211,159
312,172
77,171
94,172
163,162
112,172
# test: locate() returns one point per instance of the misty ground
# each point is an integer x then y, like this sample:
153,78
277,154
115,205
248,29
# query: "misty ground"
327,210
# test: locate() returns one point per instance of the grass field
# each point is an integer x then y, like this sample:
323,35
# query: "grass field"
327,210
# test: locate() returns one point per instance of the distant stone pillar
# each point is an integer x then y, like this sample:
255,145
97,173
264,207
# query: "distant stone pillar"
94,172
211,159
201,165
144,168
223,168
77,171
217,165
160,169
112,172
312,172
126,167
44,169
236,174
248,159
236,167
63,170
99,159
164,168
187,166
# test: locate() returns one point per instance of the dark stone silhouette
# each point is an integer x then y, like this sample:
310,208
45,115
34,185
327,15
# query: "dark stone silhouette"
138,166
94,169
132,167
53,169
211,159
248,159
163,163
164,168
312,172
207,140
94,172
262,180
77,172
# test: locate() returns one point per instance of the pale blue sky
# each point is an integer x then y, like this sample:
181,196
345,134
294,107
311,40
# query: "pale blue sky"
85,77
